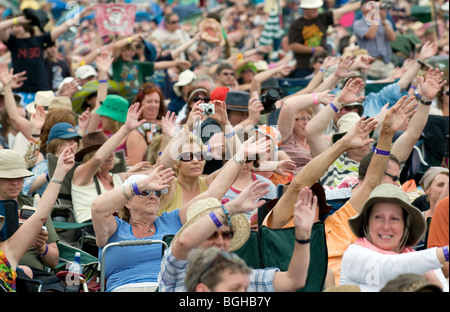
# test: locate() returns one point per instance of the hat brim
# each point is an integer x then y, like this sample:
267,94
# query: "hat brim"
239,222
315,5
237,108
80,154
15,174
116,115
418,223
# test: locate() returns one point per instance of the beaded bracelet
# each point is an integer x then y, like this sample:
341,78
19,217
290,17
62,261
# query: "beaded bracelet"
227,215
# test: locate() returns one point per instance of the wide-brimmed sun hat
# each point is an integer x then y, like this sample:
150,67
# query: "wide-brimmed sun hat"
90,142
115,107
311,4
239,222
389,193
12,165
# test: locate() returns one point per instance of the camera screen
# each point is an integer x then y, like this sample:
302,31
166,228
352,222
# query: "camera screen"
26,213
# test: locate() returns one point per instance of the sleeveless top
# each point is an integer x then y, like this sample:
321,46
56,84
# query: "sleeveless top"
177,199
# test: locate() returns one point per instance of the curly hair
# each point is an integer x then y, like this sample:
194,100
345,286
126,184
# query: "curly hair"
149,88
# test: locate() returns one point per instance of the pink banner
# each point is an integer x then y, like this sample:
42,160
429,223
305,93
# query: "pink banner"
115,19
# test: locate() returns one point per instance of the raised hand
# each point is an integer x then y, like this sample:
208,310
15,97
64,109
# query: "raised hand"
251,147
37,119
431,84
325,97
65,161
157,180
104,61
428,50
132,121
5,74
220,114
304,213
399,114
18,79
343,68
359,135
349,93
168,124
247,199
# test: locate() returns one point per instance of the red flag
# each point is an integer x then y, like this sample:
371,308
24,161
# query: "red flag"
116,19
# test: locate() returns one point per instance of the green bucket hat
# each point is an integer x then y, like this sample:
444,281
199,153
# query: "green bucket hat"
389,193
114,107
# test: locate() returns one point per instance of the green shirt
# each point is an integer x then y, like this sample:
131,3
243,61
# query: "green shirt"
132,75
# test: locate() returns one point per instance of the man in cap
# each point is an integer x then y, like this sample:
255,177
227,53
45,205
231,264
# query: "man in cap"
85,73
44,252
308,33
225,226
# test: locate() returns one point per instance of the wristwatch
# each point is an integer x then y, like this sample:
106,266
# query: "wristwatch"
420,100
237,159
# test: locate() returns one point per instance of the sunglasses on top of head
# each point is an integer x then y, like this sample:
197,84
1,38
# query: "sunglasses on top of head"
189,156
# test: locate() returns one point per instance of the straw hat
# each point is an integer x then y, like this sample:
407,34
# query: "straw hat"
42,98
12,165
239,222
389,193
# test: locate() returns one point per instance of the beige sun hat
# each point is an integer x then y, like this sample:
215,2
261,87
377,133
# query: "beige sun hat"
311,4
344,124
239,222
389,193
12,165
42,98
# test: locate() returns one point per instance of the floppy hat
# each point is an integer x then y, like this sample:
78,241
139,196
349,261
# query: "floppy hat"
114,107
430,174
184,78
195,91
246,67
62,130
61,102
85,71
17,97
12,165
42,98
311,4
239,222
344,124
90,142
409,282
237,101
389,193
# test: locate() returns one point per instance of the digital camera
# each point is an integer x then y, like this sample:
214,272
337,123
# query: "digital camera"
269,99
208,108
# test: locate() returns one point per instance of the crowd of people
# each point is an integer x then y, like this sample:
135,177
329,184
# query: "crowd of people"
214,119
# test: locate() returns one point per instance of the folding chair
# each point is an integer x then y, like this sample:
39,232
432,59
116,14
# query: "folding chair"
124,244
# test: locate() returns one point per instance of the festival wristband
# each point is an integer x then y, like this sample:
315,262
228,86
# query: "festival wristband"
313,50
334,107
103,81
136,189
46,250
215,220
315,99
445,250
229,135
381,152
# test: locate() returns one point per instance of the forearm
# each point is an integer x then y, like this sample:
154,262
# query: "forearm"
390,33
409,76
371,33
20,123
350,7
301,48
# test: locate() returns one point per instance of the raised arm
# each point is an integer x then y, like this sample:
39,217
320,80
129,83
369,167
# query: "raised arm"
85,172
20,123
61,29
349,7
395,118
316,140
106,204
18,244
357,137
429,87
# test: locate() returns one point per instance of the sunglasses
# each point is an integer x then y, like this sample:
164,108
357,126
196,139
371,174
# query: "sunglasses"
158,194
204,100
221,254
224,234
189,156
393,177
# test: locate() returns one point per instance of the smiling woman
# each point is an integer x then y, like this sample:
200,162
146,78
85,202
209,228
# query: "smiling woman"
151,100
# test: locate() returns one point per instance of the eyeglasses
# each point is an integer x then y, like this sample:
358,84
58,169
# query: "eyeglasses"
228,73
221,254
393,177
173,22
158,194
189,156
204,100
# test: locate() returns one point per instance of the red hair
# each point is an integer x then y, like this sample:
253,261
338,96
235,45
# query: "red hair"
149,88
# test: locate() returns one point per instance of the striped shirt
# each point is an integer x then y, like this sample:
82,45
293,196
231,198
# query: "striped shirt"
339,170
173,272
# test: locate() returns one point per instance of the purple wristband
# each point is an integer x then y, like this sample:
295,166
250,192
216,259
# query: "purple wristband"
381,152
313,50
215,220
136,189
333,107
445,250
